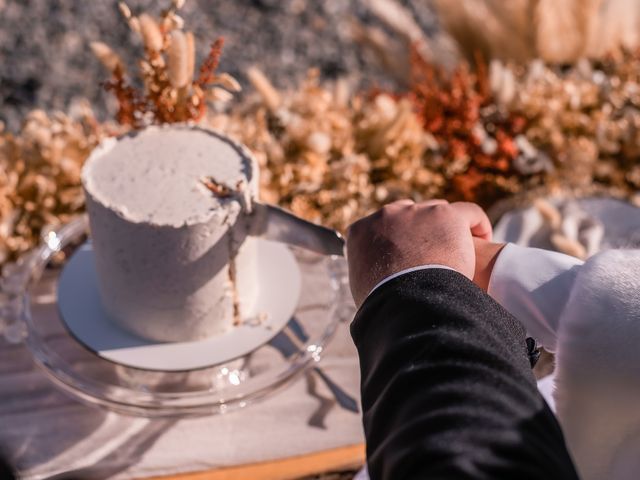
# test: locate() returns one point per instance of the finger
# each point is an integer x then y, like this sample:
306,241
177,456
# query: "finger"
401,203
433,201
478,221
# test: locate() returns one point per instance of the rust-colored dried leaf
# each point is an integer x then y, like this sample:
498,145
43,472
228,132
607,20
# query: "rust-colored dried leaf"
210,65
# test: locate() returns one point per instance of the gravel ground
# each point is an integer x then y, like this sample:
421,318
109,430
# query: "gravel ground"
45,60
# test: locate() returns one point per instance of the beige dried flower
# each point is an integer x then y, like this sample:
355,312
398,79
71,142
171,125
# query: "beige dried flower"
177,22
107,57
261,83
227,81
568,246
549,212
151,34
521,30
191,53
178,61
124,10
134,24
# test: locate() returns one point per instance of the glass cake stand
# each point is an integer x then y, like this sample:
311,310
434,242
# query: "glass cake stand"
29,314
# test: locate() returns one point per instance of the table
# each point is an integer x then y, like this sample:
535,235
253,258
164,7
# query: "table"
338,459
298,431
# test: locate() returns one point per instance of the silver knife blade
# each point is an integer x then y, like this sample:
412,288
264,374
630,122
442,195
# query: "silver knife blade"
273,223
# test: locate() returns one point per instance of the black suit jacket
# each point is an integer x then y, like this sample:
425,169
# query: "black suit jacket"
447,387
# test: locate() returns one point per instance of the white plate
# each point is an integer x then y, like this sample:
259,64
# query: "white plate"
83,314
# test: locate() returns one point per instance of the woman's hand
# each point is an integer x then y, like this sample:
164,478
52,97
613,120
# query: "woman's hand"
486,256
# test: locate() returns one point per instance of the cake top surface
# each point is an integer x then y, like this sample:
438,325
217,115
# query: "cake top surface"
156,175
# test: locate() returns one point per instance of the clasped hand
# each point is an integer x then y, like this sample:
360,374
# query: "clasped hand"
405,234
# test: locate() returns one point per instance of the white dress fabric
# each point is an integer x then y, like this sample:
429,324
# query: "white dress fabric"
588,313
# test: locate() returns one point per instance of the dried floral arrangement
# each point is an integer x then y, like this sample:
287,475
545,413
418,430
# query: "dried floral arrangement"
478,131
40,174
556,32
171,92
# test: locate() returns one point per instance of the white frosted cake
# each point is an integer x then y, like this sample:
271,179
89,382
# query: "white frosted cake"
167,249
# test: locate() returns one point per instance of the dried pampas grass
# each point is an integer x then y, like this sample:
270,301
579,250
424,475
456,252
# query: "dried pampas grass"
556,31
261,83
171,94
483,26
393,50
109,59
178,63
151,34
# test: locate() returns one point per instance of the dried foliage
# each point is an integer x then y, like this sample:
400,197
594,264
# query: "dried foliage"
584,120
331,155
571,229
306,142
40,175
555,31
171,93
475,143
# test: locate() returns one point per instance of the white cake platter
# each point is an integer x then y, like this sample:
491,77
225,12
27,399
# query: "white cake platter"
52,292
84,315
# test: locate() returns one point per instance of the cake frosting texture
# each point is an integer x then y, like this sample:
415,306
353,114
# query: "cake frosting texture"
166,248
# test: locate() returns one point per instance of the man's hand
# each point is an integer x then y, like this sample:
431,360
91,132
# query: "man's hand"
406,234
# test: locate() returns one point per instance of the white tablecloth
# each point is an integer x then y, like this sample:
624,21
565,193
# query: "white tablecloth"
46,432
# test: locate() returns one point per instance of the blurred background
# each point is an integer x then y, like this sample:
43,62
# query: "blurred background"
480,100
46,62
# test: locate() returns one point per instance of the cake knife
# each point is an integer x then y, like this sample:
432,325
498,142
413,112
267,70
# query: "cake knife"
273,223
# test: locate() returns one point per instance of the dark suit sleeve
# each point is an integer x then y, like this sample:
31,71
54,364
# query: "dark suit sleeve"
447,388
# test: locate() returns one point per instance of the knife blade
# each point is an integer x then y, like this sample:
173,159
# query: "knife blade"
273,223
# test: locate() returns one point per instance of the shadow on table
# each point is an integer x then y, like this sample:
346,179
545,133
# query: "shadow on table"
288,343
128,453
45,431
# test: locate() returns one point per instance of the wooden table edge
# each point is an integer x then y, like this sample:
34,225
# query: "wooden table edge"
343,458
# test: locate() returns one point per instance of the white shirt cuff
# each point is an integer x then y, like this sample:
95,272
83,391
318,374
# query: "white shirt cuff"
406,270
534,286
